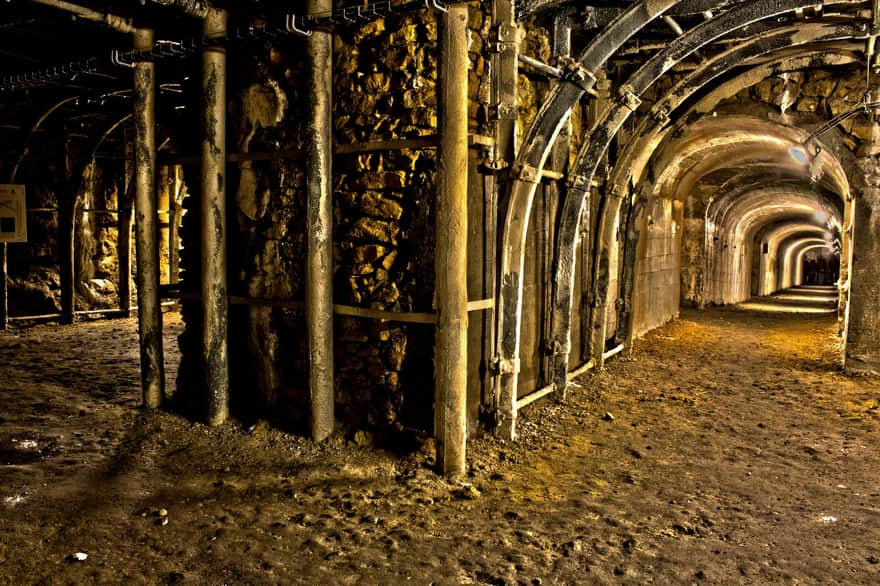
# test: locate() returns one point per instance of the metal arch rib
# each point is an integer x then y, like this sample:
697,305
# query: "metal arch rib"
610,122
538,143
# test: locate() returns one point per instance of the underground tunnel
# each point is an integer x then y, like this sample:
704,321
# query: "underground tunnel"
485,292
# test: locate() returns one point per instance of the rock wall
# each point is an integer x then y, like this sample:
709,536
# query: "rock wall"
385,79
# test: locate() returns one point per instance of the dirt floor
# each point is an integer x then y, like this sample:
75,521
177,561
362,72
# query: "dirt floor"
728,449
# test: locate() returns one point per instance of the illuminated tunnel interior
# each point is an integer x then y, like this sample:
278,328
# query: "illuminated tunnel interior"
447,292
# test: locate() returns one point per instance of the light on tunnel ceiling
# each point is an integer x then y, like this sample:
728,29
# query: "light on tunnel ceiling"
799,154
821,217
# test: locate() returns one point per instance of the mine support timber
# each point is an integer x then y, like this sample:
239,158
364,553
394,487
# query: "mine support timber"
213,218
146,226
319,221
450,296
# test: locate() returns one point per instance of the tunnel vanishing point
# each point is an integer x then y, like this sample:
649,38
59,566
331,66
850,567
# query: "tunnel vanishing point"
425,215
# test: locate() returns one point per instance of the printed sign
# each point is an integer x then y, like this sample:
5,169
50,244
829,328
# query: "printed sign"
13,214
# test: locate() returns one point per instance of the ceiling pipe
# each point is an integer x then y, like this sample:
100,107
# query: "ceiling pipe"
118,23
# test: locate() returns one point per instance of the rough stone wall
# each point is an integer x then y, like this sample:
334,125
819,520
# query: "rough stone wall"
34,281
97,262
385,79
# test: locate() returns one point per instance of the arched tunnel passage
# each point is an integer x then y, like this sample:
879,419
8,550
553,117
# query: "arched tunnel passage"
590,261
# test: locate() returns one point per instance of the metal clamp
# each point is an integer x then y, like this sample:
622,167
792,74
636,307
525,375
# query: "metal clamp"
529,174
290,26
629,99
557,348
500,365
579,75
660,114
578,183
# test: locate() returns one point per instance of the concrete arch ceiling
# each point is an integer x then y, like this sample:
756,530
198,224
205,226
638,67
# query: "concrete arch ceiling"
575,82
791,257
736,141
745,201
732,239
774,236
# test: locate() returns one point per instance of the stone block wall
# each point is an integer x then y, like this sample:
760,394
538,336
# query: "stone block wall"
385,80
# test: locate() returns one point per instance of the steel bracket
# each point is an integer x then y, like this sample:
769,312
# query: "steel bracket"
529,174
503,112
629,99
578,183
500,365
579,75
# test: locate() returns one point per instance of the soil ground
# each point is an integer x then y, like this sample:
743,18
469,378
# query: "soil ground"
727,449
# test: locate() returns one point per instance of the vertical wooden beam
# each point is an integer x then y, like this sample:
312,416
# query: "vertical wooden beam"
4,289
164,215
124,226
450,359
213,217
146,229
174,216
319,227
67,237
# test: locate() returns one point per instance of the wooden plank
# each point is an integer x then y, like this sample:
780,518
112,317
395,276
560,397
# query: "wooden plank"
429,141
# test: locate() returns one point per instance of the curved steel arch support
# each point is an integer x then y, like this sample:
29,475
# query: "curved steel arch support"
633,152
600,138
577,80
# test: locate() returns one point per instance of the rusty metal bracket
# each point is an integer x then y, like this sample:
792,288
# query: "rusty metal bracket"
501,366
529,174
629,99
574,72
579,183
556,347
660,114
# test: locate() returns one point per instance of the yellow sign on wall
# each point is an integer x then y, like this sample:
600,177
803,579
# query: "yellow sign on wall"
13,214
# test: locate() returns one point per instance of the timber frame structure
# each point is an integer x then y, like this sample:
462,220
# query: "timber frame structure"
557,219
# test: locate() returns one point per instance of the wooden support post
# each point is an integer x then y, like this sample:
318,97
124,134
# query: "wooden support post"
174,216
146,229
67,238
213,217
450,361
164,214
319,227
4,289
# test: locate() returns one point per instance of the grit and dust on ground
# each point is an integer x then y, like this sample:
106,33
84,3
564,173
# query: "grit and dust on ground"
728,449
